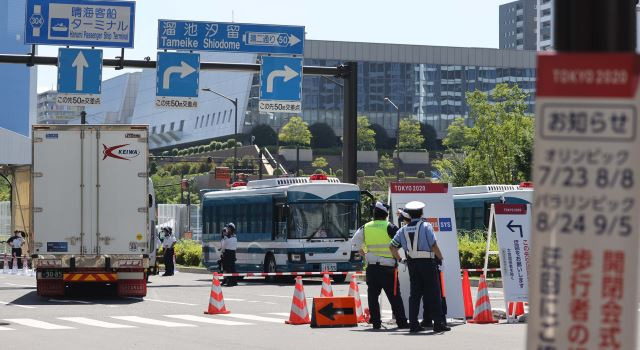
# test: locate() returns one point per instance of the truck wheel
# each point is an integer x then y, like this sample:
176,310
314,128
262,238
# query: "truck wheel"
270,267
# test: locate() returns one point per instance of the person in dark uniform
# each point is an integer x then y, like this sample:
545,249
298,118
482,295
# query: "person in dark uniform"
419,243
168,245
372,240
228,249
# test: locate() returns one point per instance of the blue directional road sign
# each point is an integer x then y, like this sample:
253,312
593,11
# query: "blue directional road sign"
230,37
177,79
280,84
80,22
79,76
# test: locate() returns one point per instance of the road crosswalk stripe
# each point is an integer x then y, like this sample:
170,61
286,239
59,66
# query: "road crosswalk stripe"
285,314
29,322
151,321
254,318
6,329
95,323
210,320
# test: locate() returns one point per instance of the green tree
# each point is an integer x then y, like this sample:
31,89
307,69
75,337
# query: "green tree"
366,135
386,163
295,133
320,162
5,190
323,136
497,148
430,136
265,135
411,138
382,138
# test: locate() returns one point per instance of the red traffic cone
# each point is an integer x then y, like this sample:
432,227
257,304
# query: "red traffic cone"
483,313
299,312
466,295
355,292
5,264
519,308
14,268
216,300
326,286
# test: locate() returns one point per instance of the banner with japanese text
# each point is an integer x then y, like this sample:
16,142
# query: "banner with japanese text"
513,229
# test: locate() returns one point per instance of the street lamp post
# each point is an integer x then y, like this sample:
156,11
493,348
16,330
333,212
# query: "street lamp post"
234,101
397,161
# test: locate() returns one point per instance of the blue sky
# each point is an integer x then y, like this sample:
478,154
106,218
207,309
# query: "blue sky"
465,23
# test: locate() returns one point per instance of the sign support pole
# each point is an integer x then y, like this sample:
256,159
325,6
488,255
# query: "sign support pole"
349,123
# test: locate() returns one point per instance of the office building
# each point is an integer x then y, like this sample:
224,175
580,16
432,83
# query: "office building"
518,25
50,112
545,25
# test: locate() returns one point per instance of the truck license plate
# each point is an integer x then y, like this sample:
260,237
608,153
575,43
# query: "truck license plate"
329,267
51,274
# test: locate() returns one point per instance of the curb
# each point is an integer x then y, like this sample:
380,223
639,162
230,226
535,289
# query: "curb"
490,284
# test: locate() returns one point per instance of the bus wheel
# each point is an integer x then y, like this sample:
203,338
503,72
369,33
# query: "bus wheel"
270,267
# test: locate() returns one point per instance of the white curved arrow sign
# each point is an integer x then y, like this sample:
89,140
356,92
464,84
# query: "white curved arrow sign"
184,69
287,74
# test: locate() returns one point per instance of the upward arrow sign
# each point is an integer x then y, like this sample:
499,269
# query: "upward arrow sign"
80,63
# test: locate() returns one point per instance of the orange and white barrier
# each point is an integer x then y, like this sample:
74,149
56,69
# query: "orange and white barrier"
483,313
216,300
5,264
355,293
326,286
299,312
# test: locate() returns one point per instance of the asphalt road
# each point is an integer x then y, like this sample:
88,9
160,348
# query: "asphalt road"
171,317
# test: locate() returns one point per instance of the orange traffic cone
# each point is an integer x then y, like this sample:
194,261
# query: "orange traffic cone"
14,268
5,264
326,286
466,295
519,308
299,312
216,300
483,312
355,292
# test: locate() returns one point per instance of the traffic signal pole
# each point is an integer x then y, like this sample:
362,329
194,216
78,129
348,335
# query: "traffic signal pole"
348,72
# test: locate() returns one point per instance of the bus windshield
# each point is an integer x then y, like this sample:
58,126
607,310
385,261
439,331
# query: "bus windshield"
323,220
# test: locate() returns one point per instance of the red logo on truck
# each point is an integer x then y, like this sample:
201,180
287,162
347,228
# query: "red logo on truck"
118,152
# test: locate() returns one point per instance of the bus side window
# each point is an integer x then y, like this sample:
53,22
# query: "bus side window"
280,221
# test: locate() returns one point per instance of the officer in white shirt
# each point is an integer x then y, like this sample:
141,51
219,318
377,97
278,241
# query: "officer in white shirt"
16,242
168,246
228,249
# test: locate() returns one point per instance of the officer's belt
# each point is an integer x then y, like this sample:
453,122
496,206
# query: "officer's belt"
420,255
374,259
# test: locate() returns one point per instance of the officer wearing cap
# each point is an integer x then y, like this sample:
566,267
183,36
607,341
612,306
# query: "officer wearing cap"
419,243
228,249
372,240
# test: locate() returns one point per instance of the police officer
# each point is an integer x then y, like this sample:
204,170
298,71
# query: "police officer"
228,249
373,239
16,242
419,243
168,246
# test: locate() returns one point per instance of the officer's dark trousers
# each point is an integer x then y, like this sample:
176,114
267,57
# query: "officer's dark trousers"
229,265
378,278
424,279
168,261
17,252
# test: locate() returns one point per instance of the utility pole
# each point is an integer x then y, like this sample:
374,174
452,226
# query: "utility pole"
349,72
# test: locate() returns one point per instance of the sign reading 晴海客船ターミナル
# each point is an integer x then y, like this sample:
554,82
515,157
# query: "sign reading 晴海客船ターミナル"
584,279
80,22
230,37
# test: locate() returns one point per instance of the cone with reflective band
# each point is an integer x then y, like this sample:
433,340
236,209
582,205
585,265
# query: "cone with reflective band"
355,293
466,295
25,266
5,264
14,268
299,312
216,300
326,286
519,308
483,312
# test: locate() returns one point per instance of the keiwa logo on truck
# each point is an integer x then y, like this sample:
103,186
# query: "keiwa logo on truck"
118,152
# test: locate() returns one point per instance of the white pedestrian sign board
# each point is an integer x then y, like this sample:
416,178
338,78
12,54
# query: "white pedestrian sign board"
79,76
177,80
513,229
438,211
584,271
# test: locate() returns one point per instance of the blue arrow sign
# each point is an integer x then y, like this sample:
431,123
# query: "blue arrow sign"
280,84
177,79
80,22
79,73
230,37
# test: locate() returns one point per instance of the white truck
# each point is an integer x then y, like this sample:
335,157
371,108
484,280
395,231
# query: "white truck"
93,208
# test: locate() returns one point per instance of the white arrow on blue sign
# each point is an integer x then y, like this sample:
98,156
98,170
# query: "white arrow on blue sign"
177,79
280,84
79,76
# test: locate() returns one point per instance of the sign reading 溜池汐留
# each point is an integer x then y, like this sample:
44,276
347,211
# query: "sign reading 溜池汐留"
80,22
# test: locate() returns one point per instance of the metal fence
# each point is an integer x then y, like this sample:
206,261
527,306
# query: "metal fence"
181,222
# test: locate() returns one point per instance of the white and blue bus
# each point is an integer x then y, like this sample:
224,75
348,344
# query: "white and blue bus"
297,224
472,204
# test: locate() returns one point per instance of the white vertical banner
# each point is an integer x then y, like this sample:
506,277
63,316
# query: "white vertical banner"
438,211
584,271
513,230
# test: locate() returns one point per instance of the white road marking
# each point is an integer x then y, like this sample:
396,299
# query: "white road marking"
35,323
208,320
18,305
144,320
20,285
285,314
70,301
274,296
163,301
95,323
233,299
6,329
254,318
